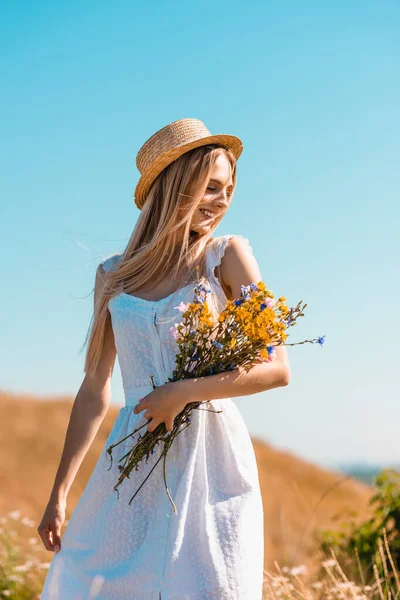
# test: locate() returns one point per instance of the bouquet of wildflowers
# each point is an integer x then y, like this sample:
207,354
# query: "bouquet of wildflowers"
247,331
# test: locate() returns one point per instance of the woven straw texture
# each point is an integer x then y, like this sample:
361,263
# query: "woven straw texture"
168,144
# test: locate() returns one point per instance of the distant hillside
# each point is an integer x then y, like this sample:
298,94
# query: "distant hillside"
363,472
297,495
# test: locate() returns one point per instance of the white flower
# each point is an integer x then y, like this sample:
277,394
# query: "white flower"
32,541
174,331
14,514
300,570
28,522
15,578
331,562
181,307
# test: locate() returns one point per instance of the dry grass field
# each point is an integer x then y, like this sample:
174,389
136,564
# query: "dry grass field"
298,496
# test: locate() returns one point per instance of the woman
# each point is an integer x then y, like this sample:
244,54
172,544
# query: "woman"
213,547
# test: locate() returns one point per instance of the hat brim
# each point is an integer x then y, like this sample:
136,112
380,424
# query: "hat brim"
231,142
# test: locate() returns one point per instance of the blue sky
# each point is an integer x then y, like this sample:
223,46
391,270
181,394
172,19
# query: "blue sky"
312,88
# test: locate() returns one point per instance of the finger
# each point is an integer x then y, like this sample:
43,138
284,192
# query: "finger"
139,406
152,425
56,531
46,537
169,424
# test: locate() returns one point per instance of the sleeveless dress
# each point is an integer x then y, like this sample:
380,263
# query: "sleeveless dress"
213,549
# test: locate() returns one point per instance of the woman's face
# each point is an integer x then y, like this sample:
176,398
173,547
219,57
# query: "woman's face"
217,197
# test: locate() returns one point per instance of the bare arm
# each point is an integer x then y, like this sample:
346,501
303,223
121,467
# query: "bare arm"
239,267
88,411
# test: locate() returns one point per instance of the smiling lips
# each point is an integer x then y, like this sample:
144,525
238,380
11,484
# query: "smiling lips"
210,215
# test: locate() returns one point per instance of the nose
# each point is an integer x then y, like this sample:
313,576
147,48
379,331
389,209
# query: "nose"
223,200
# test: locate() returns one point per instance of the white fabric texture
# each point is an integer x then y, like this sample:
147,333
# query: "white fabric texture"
213,549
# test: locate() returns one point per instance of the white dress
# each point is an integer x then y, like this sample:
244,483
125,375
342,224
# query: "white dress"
213,548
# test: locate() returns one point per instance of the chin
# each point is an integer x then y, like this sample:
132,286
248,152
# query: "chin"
201,228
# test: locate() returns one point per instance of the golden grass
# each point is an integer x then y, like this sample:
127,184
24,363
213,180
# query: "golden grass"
298,496
22,573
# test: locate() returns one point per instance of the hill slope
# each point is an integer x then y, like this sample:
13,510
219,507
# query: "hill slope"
298,496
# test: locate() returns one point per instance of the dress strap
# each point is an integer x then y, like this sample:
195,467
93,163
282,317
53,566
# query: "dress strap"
216,250
110,262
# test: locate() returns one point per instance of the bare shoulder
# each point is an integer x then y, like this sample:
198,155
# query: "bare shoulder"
239,265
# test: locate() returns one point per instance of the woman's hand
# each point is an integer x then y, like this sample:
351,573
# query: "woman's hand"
163,404
50,526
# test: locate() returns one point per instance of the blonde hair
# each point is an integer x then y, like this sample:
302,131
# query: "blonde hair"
154,251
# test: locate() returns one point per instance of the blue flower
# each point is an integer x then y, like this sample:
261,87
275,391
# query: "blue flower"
253,286
203,288
321,340
195,356
217,345
270,349
238,302
262,306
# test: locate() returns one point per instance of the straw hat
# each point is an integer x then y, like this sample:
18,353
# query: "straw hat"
168,144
